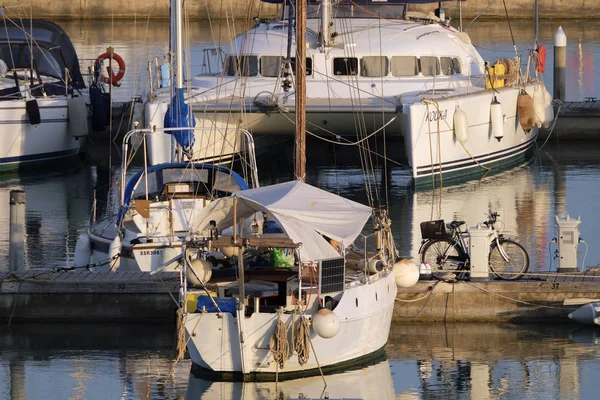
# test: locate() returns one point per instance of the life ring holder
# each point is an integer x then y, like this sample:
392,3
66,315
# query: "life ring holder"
116,78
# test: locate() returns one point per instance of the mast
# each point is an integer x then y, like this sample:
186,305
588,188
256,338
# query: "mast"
300,89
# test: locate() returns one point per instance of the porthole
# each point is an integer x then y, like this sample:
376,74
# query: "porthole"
375,296
357,302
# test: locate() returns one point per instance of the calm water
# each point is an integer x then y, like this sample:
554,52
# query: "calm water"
424,361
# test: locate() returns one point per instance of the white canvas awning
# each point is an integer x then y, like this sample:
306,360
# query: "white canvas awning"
304,212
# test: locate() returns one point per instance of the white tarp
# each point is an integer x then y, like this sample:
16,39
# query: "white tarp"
303,212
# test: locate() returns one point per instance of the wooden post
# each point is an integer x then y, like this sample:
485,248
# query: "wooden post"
560,64
300,89
17,231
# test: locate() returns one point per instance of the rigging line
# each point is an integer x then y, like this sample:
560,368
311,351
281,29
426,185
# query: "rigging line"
510,28
480,14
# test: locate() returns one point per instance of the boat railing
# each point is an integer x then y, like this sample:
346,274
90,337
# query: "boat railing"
250,149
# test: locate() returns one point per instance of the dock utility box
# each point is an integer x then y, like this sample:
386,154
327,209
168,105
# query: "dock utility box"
433,229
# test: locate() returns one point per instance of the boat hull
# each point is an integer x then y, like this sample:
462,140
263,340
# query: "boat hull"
25,144
364,311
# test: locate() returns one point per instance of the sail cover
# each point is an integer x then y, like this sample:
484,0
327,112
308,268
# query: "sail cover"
304,212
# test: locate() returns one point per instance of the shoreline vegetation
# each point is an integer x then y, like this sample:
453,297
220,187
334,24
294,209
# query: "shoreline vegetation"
244,9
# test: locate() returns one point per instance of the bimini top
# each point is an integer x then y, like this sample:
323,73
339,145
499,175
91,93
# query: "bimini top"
49,36
203,179
304,212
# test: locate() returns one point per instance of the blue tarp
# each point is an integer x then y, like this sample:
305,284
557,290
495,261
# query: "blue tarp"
226,304
179,115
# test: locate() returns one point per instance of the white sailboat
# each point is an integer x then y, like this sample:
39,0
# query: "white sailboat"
373,67
42,110
303,300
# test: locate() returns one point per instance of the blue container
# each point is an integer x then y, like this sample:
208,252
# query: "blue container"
226,304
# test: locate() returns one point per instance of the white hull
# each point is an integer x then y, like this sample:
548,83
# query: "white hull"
432,148
364,311
24,143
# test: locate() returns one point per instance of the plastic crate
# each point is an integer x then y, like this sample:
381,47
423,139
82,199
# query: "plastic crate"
433,229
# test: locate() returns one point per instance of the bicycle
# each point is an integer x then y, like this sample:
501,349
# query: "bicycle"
448,252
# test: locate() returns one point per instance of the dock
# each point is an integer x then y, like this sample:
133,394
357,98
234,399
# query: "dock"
577,120
537,298
41,295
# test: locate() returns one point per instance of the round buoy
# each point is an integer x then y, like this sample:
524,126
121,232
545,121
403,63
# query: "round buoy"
461,126
83,250
114,252
325,323
198,271
406,273
497,119
169,253
229,251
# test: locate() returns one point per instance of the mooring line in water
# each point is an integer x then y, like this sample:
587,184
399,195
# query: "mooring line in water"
424,304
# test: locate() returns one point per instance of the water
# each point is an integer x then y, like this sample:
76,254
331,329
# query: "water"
423,361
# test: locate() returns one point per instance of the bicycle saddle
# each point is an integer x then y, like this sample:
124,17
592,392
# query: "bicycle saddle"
456,224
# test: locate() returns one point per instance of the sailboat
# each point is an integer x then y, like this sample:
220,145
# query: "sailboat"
375,68
304,301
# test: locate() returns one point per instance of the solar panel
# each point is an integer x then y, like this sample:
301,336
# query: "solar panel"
331,275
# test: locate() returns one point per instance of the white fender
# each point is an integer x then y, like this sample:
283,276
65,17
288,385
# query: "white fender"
549,109
461,126
83,250
497,119
113,250
78,122
539,106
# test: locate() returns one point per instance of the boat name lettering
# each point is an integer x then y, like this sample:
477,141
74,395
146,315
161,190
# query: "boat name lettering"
150,252
436,115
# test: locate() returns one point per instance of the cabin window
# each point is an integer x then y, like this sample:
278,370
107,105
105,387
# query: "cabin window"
345,66
450,66
270,66
241,66
308,71
430,66
374,66
404,66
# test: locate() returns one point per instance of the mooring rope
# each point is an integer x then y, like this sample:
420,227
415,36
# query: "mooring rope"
278,343
302,340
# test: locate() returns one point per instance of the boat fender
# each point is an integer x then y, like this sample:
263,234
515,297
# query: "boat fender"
325,323
549,109
83,250
541,58
33,112
539,105
525,111
461,126
78,124
114,253
406,273
198,271
374,265
113,79
586,314
497,119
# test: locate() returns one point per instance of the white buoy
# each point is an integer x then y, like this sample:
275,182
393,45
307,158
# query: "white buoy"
461,126
325,323
497,119
586,314
374,265
229,251
168,254
539,105
83,250
113,251
198,271
406,273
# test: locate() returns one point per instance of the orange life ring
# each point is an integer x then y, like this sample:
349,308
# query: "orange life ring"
115,77
541,58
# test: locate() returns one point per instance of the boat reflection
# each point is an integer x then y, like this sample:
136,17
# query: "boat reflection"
487,361
372,382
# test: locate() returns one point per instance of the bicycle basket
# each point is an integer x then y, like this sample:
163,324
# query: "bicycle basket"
433,229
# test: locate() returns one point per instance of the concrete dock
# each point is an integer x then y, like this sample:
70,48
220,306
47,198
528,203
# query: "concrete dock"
576,120
538,298
38,295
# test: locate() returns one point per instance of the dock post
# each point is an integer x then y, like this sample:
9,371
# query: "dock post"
17,231
560,64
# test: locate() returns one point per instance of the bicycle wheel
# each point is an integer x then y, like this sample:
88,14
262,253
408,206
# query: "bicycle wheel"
444,256
514,265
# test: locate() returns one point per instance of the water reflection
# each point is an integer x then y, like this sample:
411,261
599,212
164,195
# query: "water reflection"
482,361
372,382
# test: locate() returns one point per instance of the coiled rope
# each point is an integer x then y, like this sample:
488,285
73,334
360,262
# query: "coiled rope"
278,343
302,340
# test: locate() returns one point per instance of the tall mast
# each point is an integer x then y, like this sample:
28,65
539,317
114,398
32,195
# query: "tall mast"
179,44
300,89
